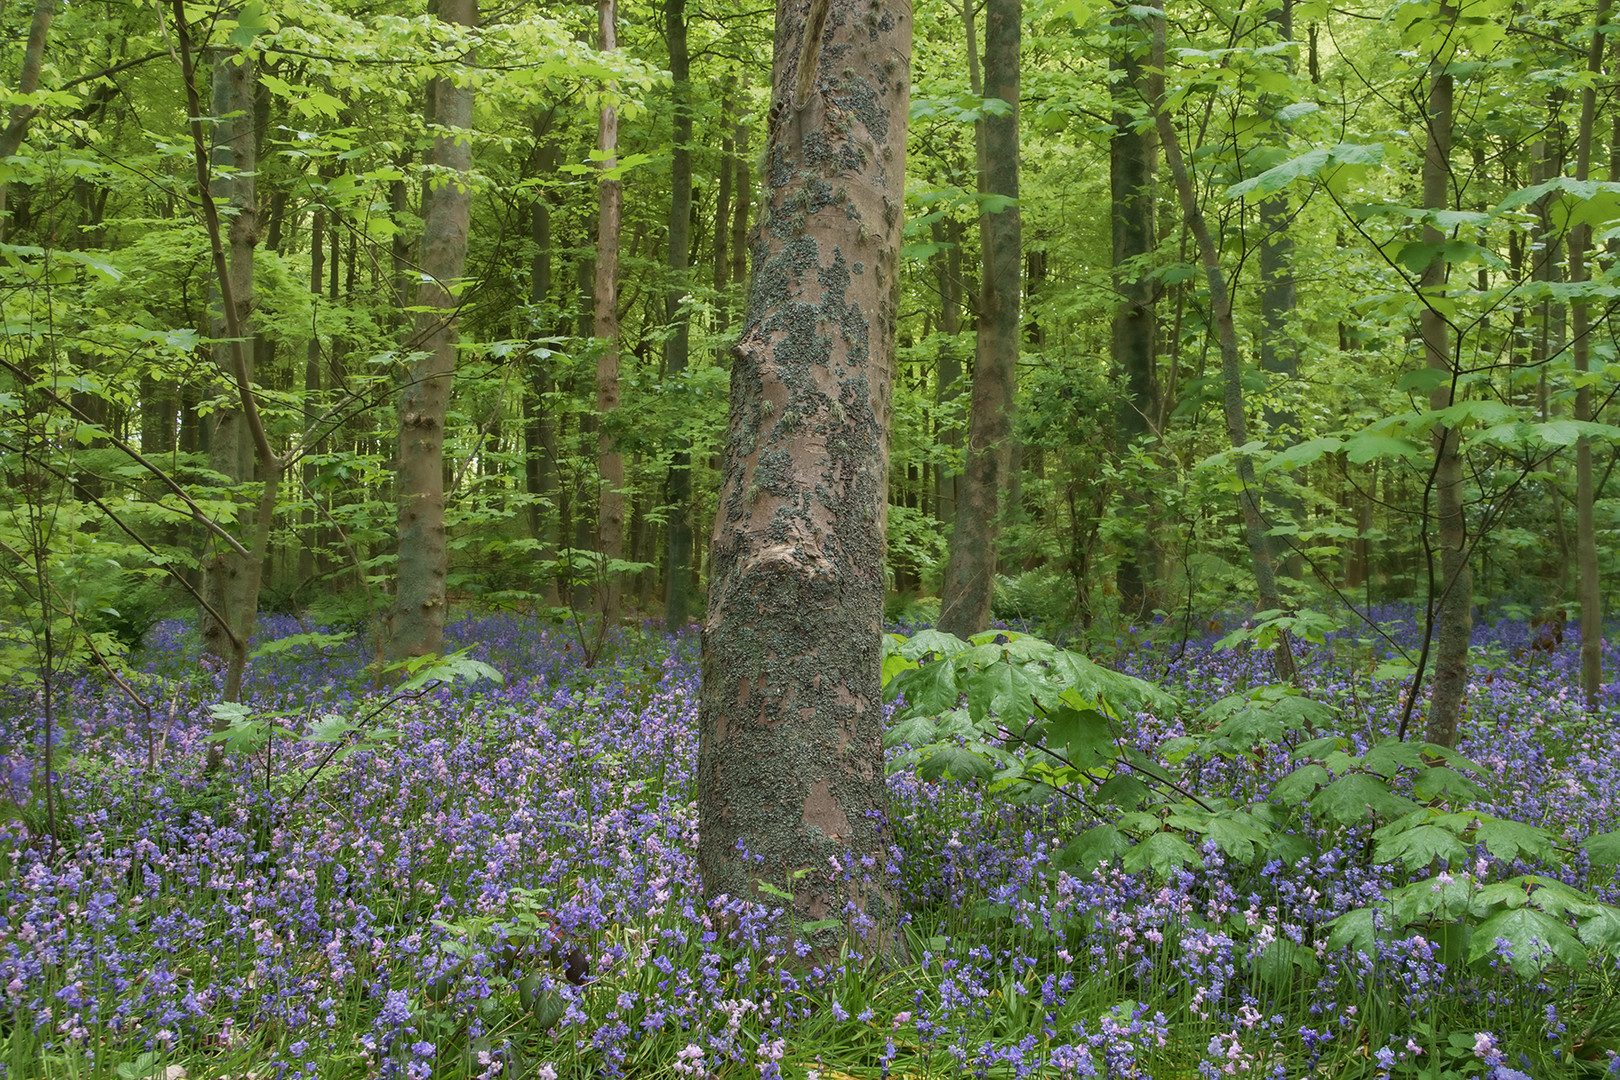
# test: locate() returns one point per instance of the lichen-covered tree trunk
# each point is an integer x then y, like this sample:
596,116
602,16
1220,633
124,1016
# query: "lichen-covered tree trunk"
230,451
609,461
678,586
1589,588
1133,334
424,401
790,760
1453,597
970,570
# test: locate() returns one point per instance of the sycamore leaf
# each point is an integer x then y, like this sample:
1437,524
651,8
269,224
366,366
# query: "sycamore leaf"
1603,848
1533,941
1367,446
1163,852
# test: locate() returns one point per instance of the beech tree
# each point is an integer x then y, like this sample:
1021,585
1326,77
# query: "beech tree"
424,401
790,773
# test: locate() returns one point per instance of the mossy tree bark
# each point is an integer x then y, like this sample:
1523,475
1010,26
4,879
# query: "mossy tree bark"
424,401
790,758
970,571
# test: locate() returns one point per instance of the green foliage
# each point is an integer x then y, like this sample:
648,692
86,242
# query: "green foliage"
1030,721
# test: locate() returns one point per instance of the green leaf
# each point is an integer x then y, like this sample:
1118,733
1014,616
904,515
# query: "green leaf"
957,763
1351,799
1301,784
1514,839
1420,847
1093,848
931,688
1603,848
251,21
1003,690
299,641
1365,447
1535,940
1163,852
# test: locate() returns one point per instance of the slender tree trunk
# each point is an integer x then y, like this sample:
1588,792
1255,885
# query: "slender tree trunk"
230,452
16,129
1132,157
1454,620
1220,302
678,586
970,571
610,462
540,428
790,777
312,388
424,400
948,266
1279,348
1590,590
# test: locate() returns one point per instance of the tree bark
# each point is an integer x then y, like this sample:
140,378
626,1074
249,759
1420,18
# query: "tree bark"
1589,589
16,129
790,779
678,584
1220,302
1132,160
1453,605
609,461
970,570
540,428
1279,348
230,452
948,267
424,401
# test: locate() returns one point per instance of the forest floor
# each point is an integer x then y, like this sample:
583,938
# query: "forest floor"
375,888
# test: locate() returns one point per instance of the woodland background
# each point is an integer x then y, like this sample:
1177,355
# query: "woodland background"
590,368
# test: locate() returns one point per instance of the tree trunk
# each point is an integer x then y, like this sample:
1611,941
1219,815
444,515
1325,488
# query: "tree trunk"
790,760
1453,606
610,462
1279,348
948,266
970,571
1589,590
308,549
16,129
230,452
678,586
1132,158
424,401
540,428
1220,302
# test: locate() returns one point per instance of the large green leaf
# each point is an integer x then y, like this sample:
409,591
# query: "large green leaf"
1162,852
1350,799
931,688
1535,941
1420,847
1603,848
955,762
1003,690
